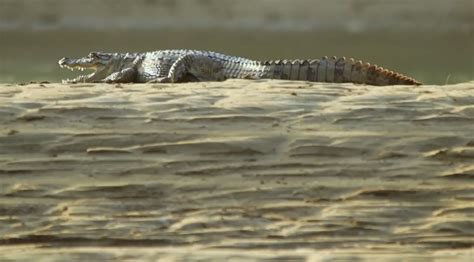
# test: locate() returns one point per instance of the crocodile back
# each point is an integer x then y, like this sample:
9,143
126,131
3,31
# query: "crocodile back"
158,63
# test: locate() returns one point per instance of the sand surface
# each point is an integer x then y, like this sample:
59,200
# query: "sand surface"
243,169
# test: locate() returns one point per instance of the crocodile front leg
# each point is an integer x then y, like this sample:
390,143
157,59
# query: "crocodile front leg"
126,75
193,67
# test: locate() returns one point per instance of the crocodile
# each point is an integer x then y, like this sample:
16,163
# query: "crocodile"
177,66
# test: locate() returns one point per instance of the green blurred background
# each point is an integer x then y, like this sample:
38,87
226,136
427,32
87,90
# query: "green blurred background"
431,40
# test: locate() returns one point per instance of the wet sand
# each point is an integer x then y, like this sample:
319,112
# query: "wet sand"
243,169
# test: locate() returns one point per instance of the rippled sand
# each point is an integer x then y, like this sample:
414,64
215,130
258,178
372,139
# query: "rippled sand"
243,169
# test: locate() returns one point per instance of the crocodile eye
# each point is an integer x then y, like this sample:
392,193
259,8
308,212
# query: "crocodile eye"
93,55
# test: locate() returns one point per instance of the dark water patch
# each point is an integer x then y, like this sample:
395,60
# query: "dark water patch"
107,151
58,241
203,148
392,194
14,171
464,174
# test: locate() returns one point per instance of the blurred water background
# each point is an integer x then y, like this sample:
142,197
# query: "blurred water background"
431,40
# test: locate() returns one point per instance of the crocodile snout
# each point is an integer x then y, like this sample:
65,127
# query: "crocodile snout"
63,61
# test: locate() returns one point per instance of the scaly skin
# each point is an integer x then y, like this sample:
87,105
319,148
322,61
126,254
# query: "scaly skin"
174,66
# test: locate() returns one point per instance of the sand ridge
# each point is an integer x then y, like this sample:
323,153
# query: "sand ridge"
247,169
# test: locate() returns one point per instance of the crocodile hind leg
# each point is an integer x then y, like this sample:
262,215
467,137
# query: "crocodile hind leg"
193,67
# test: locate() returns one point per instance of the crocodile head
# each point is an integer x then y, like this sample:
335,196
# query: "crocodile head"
103,65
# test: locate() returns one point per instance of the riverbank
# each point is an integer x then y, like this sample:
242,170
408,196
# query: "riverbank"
243,169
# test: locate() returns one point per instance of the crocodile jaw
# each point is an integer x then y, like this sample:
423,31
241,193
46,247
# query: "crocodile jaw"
82,64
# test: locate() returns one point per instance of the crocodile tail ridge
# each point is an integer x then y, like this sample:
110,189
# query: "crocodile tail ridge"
336,70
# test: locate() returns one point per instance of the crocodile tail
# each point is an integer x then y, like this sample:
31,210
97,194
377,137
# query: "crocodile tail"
335,70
